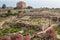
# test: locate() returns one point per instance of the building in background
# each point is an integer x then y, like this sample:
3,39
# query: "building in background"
21,4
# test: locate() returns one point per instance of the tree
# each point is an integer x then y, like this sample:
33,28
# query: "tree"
29,7
3,6
9,13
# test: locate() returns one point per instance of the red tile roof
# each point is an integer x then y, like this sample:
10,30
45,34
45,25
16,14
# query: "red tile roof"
21,2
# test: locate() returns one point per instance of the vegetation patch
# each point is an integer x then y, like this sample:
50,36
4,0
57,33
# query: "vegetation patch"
14,29
57,29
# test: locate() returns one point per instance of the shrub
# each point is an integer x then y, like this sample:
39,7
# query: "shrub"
4,32
8,13
57,29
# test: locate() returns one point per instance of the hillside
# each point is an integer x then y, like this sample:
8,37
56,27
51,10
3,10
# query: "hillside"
29,21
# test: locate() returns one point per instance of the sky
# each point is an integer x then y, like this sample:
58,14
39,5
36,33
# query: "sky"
33,3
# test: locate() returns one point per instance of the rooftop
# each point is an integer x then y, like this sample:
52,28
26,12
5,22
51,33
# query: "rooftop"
21,2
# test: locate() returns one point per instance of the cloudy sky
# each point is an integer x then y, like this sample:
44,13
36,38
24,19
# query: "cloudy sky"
33,3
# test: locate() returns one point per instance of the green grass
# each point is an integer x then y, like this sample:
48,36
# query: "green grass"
10,30
1,19
38,21
30,28
13,29
57,29
4,32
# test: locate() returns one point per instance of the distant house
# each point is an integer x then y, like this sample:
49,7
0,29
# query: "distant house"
21,4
